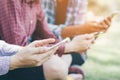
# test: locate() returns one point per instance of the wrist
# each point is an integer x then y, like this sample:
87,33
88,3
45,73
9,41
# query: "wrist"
14,62
68,47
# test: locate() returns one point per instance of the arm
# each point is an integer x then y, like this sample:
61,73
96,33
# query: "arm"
32,55
35,54
86,28
11,27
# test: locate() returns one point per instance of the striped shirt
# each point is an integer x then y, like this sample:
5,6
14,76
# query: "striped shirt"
76,11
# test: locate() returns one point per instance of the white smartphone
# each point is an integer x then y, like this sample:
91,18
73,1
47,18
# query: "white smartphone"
59,43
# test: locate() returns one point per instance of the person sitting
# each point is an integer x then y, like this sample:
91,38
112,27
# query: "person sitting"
24,20
34,54
67,18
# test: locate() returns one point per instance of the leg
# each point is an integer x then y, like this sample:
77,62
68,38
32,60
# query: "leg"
56,68
76,60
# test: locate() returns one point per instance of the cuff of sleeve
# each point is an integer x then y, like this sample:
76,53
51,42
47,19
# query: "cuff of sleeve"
60,51
58,30
4,65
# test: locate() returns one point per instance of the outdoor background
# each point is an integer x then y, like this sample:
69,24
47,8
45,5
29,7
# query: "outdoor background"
103,61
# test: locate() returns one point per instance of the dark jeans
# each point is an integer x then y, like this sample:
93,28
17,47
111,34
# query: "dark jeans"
35,73
77,59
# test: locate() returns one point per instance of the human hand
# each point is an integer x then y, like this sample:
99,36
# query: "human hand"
102,25
95,26
107,21
80,43
32,55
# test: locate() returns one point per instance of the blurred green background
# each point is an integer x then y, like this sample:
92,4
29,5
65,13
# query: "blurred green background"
103,58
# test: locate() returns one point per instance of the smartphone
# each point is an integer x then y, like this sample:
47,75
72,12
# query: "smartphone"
60,43
115,13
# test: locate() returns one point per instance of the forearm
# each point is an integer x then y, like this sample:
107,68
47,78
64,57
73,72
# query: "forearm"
14,62
71,31
86,28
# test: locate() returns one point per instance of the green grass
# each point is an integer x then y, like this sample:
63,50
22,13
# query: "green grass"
103,61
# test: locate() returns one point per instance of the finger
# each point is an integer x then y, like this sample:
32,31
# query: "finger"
103,24
106,22
89,43
89,36
91,40
42,42
46,42
108,19
96,34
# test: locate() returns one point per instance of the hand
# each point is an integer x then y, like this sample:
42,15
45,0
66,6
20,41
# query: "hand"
107,22
32,55
101,26
80,43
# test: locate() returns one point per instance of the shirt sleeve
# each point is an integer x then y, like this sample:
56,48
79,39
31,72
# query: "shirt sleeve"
11,27
4,65
42,31
56,29
6,50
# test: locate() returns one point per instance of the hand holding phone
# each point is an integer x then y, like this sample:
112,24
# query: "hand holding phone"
60,43
106,22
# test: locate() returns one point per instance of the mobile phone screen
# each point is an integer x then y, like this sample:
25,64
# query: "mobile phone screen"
59,43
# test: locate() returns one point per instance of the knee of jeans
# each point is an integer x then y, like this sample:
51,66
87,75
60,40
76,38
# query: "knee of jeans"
55,69
58,72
